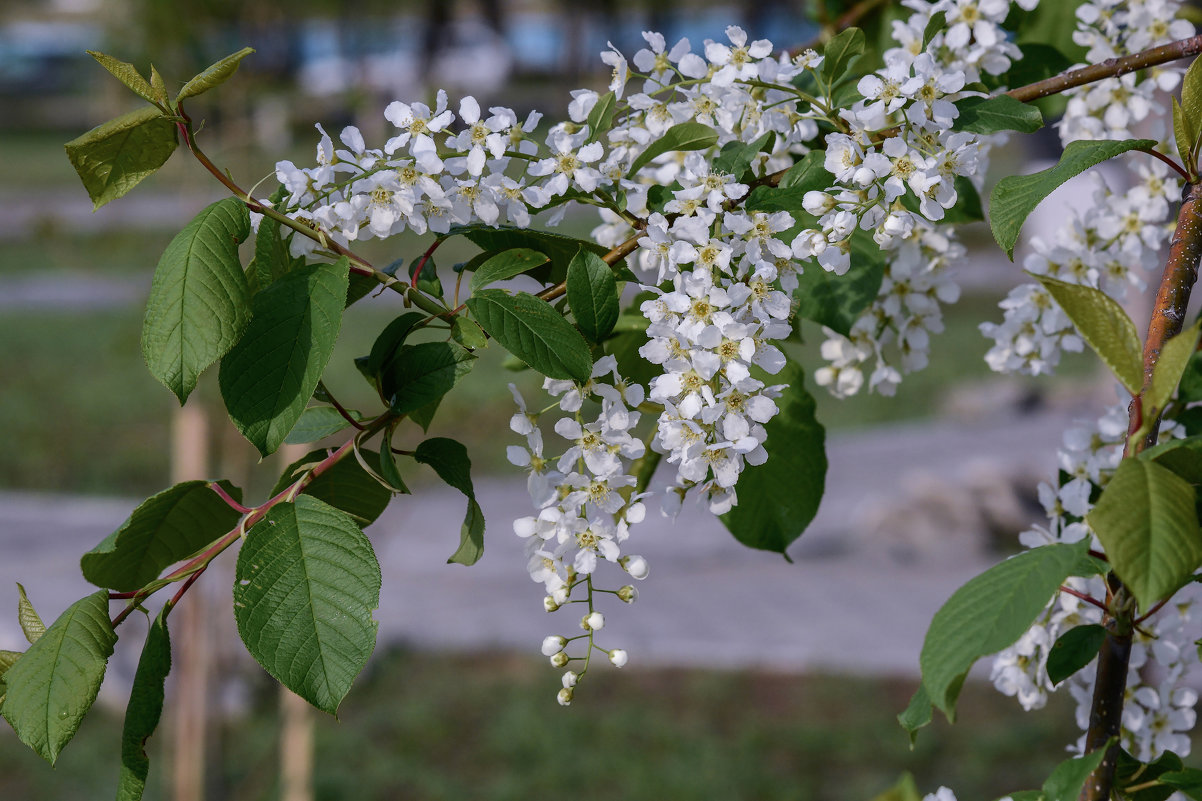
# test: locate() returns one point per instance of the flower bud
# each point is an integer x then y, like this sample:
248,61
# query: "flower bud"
817,203
569,679
564,697
559,660
618,657
593,621
553,645
550,604
628,594
636,566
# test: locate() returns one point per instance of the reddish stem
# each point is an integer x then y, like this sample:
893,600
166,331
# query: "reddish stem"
1089,599
426,257
237,507
1153,152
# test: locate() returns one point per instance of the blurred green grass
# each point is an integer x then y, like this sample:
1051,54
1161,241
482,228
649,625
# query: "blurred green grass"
486,727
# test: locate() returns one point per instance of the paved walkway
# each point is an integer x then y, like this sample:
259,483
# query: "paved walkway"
897,534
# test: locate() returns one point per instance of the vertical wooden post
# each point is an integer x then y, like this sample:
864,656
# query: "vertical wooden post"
296,718
190,622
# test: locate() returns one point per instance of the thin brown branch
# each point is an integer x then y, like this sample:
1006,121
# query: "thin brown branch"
1110,68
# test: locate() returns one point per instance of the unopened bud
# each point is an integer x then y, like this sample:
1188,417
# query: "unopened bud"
618,657
564,697
593,621
628,594
550,604
569,679
636,566
553,645
559,660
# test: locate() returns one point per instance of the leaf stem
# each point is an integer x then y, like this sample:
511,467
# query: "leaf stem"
1153,152
225,496
1089,599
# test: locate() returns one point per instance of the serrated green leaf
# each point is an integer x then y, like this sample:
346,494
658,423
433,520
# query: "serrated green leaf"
532,330
1104,325
1174,356
937,23
318,422
452,464
836,301
199,299
1016,196
736,157
215,75
127,74
1182,138
986,115
52,686
1188,781
602,116
468,333
1073,650
989,613
386,345
164,529
272,260
779,498
346,485
31,623
917,715
158,86
418,375
592,295
680,137
1146,520
306,585
7,660
268,378
144,709
1182,456
1191,105
507,264
808,173
113,158
839,53
1069,776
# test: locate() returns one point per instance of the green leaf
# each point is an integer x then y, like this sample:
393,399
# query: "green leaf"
839,53
680,137
602,116
1182,456
1188,781
468,333
904,790
144,709
113,158
158,86
836,301
592,295
346,485
1069,777
989,613
127,74
7,660
1073,650
31,623
164,529
1174,356
1016,196
558,248
272,260
318,422
986,115
808,173
1182,137
736,157
418,375
450,461
1190,388
52,686
388,466
215,75
1103,324
305,587
1146,520
1130,772
507,264
917,714
532,330
937,23
386,345
779,498
199,299
268,378
1191,105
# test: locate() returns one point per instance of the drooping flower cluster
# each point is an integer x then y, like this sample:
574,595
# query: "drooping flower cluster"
1158,711
586,502
1113,232
899,167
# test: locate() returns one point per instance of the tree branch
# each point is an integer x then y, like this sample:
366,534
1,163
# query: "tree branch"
1110,68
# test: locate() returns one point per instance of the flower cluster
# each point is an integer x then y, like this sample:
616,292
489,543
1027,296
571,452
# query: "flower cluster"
586,504
1158,711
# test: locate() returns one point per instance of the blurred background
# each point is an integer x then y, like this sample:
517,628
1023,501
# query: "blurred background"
749,678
